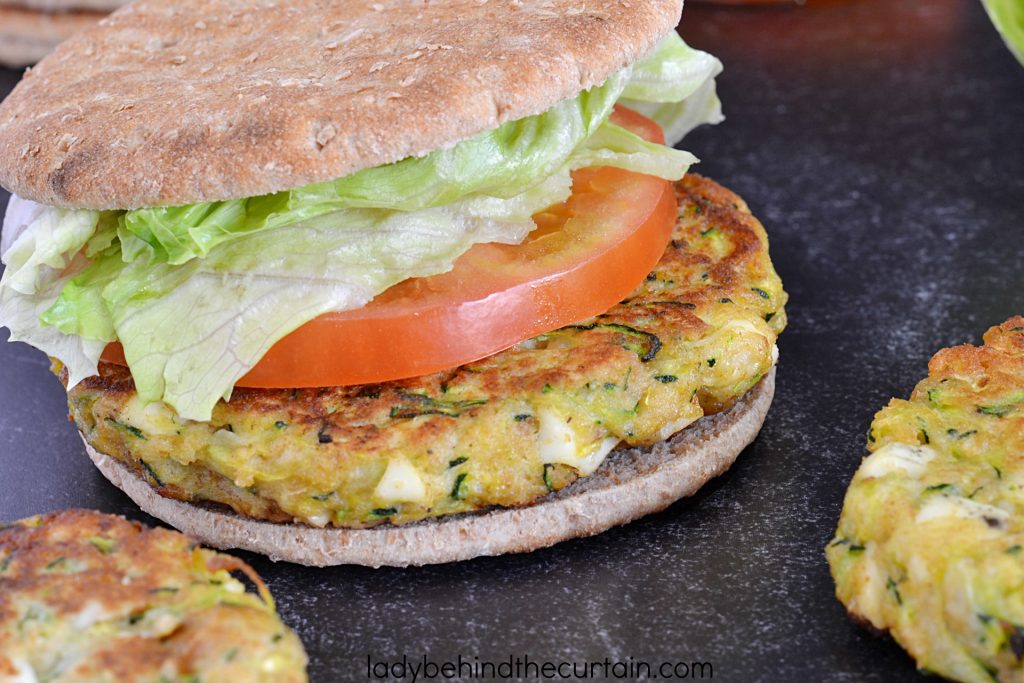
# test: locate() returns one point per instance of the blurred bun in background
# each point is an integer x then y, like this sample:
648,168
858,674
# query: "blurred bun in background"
30,29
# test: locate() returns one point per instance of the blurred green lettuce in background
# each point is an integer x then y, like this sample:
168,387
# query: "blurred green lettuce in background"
1008,16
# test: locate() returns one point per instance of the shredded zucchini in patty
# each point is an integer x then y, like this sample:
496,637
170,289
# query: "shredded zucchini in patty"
89,598
930,539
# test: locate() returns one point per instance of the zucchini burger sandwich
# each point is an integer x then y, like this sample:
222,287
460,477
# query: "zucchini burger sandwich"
390,282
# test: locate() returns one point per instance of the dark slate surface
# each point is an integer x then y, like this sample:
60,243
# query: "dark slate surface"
882,143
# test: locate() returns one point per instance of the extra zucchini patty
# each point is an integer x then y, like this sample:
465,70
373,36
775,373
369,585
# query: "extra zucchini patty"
930,544
504,431
88,597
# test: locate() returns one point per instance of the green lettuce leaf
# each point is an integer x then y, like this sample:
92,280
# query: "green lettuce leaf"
675,87
20,313
615,146
37,252
671,73
1008,16
36,255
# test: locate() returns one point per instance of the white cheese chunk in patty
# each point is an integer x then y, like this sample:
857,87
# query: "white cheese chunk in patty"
897,456
401,483
938,507
558,445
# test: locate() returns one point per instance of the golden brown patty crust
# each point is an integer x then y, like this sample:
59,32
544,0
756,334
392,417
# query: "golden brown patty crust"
503,431
930,545
88,597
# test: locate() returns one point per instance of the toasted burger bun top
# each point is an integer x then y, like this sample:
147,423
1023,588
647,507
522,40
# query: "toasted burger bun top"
176,102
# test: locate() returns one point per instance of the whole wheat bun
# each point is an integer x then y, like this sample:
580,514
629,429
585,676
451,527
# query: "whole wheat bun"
631,483
170,102
27,35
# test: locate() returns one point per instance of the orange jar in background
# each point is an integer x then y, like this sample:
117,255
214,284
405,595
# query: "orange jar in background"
753,2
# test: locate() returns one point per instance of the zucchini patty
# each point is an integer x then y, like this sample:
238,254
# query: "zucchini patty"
930,544
91,597
503,431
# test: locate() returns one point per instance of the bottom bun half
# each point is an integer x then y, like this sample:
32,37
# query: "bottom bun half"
631,483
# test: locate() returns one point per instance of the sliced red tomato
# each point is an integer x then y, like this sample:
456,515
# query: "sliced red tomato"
586,255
